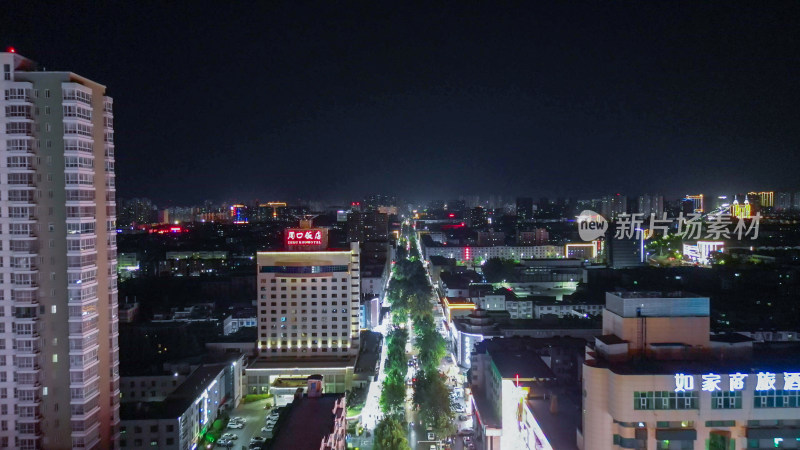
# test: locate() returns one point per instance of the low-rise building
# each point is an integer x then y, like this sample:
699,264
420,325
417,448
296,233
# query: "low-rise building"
480,324
179,420
241,318
517,401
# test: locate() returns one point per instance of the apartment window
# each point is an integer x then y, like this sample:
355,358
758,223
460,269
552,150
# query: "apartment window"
726,400
650,400
47,93
777,399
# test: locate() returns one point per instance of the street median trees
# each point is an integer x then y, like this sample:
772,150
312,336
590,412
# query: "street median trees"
390,434
433,397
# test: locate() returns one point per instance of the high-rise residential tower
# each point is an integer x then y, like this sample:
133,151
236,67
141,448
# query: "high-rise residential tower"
59,357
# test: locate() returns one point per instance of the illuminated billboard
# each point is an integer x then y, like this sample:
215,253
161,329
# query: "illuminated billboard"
306,238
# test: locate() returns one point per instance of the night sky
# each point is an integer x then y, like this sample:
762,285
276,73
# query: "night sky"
333,100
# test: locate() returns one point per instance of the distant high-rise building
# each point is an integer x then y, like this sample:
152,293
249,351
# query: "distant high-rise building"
524,208
698,203
238,214
478,217
367,226
651,204
796,201
136,211
375,201
765,199
741,210
611,206
271,211
60,381
470,201
436,205
783,201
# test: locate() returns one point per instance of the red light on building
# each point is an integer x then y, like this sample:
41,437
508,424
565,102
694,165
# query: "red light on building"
467,254
451,215
165,229
12,50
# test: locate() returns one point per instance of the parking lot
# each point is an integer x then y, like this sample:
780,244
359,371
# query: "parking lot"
254,414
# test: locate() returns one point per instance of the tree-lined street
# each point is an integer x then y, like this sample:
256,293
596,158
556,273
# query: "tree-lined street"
422,415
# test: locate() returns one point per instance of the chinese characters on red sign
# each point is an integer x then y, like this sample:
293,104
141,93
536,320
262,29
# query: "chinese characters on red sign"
304,237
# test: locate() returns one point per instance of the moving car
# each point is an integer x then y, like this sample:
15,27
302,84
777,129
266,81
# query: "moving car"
235,425
229,436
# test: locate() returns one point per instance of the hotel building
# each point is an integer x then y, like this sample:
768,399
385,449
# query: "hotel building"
59,356
656,378
308,314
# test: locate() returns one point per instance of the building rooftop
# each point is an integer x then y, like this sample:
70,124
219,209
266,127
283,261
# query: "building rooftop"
485,412
458,301
178,401
654,294
511,364
765,357
290,362
558,428
611,339
657,304
308,422
506,292
731,338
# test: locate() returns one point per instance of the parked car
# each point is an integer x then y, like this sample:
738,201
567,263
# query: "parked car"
257,440
229,436
235,425
465,432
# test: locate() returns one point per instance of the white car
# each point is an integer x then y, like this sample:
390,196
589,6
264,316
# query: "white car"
230,436
238,419
235,425
267,429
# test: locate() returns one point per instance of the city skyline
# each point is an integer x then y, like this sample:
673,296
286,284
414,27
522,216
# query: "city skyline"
541,100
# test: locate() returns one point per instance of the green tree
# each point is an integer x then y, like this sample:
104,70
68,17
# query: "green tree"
393,396
390,434
497,270
433,398
432,346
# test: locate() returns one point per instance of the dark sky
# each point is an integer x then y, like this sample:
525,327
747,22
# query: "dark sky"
277,100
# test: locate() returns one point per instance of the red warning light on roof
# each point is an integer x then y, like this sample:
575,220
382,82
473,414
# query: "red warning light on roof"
12,50
452,215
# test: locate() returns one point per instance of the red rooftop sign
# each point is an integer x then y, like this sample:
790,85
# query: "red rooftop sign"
306,238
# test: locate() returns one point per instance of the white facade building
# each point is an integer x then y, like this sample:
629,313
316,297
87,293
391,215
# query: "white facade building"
59,383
